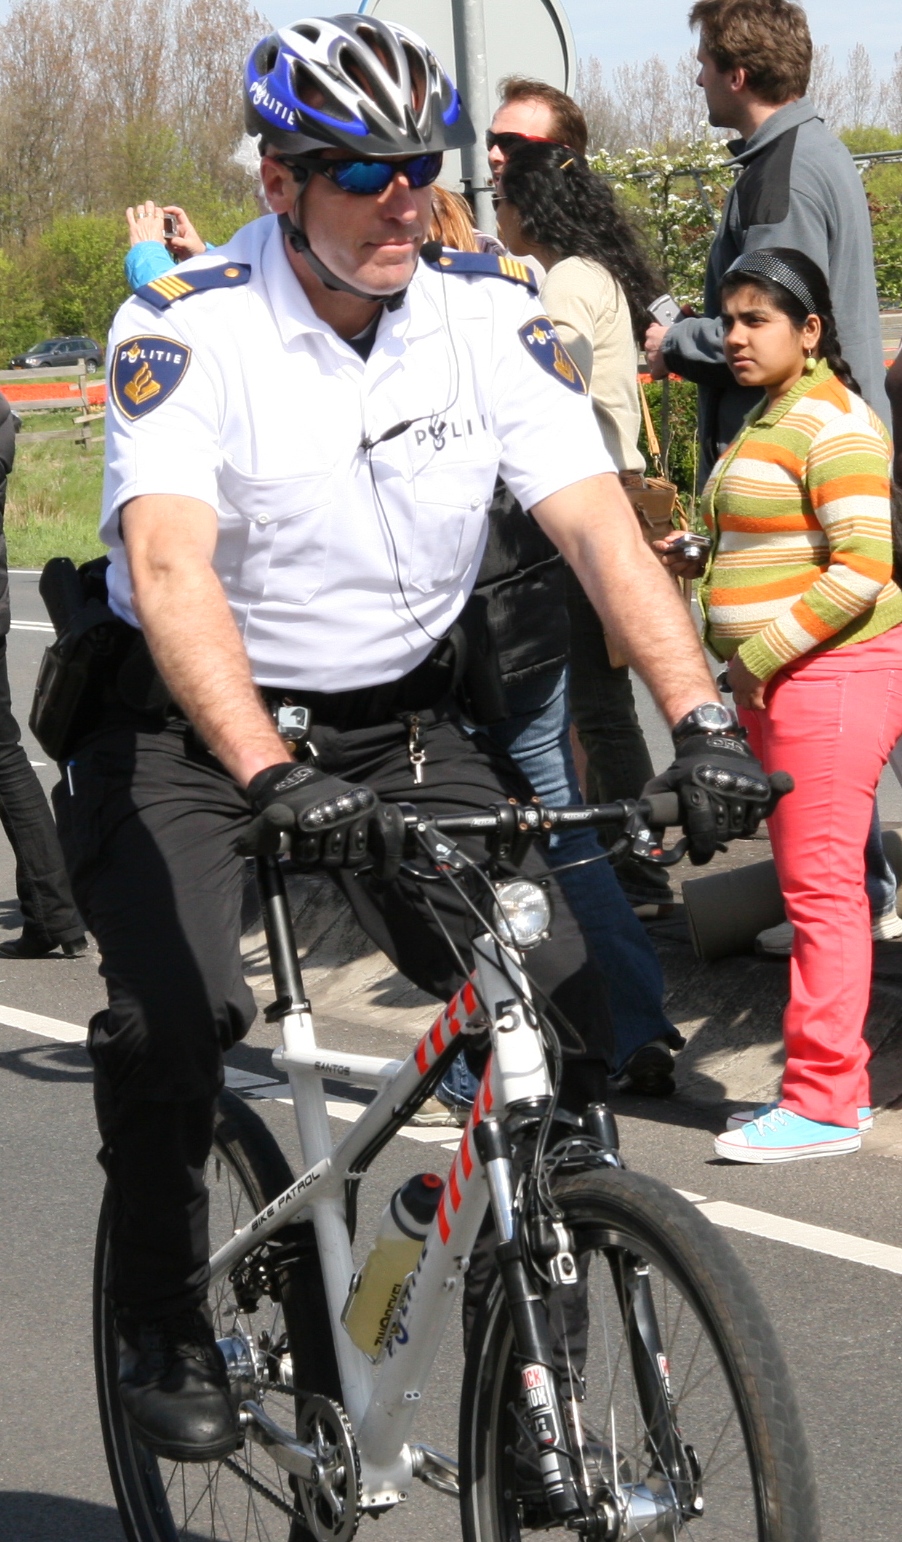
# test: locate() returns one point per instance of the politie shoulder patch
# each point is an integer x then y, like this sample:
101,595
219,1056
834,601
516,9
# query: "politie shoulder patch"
540,339
145,371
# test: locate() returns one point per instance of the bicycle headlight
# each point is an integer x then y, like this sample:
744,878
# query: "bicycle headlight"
522,914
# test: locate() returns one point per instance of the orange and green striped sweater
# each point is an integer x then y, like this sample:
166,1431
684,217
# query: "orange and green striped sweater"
798,506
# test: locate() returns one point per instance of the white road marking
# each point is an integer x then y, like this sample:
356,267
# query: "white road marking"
799,1234
32,626
47,1027
755,1223
37,762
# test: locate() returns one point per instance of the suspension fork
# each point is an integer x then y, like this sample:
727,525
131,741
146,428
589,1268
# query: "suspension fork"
651,1373
532,1331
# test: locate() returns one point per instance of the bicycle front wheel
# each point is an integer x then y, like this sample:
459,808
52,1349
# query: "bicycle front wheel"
723,1389
246,1495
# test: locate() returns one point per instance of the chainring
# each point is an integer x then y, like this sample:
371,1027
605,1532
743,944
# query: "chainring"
331,1506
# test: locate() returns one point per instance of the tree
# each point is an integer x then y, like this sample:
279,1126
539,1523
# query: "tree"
77,265
22,318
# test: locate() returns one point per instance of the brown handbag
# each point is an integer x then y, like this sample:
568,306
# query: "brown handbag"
655,499
656,502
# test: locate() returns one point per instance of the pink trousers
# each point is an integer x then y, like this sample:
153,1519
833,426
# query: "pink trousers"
830,721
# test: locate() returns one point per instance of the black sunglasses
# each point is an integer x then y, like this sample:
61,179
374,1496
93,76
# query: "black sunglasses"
508,142
367,178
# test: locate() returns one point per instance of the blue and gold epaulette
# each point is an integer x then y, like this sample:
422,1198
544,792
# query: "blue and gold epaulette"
163,291
484,265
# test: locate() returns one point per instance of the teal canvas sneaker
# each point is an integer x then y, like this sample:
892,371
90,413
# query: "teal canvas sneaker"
746,1115
782,1136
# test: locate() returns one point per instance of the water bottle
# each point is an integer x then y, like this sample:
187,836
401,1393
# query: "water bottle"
399,1242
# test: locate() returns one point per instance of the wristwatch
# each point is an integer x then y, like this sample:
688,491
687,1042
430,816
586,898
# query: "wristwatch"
711,717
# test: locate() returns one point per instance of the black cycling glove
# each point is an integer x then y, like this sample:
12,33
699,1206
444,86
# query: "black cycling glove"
326,819
723,791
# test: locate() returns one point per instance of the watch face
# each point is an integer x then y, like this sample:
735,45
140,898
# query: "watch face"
713,716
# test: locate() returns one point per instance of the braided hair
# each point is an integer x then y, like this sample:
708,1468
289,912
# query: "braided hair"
804,292
564,205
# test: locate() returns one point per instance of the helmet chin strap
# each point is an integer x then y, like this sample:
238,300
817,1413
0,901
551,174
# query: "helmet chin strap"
298,241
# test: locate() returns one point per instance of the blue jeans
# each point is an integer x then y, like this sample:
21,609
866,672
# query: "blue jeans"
879,878
537,737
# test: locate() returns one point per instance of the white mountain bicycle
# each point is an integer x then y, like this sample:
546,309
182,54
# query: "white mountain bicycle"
622,1379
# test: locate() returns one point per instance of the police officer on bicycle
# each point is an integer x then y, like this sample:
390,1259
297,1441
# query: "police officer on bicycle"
304,433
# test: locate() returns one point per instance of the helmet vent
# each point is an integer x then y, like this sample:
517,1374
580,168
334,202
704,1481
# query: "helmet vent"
367,85
267,54
418,82
309,90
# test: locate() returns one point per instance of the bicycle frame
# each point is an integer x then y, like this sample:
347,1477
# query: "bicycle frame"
382,1400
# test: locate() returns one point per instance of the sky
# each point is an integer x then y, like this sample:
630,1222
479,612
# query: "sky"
619,33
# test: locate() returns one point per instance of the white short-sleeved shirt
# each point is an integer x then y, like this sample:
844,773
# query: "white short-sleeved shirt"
335,560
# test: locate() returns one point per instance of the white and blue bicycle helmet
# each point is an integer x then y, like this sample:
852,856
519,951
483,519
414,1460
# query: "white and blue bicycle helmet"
369,87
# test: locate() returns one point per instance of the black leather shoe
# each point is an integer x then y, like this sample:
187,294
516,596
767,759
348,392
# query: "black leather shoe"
174,1387
648,1071
41,947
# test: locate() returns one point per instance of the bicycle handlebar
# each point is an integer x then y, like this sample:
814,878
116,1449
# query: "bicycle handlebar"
658,811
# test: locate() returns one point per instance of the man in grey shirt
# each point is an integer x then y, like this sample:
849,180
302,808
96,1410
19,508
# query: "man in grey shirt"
796,186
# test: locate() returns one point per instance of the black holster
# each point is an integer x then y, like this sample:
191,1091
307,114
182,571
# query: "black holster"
96,659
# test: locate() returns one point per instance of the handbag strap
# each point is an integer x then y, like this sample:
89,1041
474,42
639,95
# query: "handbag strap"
654,444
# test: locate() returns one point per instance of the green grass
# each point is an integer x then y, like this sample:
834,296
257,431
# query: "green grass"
53,504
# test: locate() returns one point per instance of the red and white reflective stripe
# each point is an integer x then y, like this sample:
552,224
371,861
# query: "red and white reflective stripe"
459,1010
464,1157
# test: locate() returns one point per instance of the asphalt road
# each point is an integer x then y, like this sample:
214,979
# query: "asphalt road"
839,1320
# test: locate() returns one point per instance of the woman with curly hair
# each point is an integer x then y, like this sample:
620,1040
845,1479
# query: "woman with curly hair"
598,285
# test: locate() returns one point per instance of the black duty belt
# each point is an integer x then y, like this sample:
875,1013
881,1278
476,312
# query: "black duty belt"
371,705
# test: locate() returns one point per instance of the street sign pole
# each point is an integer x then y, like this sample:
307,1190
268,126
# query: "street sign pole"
473,83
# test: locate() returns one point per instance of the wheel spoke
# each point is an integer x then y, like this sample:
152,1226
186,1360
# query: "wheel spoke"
711,1338
246,1497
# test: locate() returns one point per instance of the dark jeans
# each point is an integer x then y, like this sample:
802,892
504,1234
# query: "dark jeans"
148,822
42,885
537,736
604,712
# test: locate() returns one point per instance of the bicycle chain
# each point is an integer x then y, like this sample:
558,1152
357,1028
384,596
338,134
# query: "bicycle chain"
260,1488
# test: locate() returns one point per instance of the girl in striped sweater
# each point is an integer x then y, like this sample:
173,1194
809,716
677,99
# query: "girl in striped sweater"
799,597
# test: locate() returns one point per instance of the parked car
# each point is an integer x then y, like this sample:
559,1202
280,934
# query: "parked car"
57,352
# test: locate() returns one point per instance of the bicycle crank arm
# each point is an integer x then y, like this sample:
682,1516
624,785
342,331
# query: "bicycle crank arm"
285,1450
436,1470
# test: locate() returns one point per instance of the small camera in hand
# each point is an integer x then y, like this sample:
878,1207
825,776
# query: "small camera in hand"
691,546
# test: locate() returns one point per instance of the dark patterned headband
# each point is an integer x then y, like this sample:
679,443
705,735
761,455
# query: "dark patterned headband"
766,264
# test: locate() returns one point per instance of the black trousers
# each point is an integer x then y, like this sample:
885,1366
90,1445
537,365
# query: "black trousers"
148,821
45,898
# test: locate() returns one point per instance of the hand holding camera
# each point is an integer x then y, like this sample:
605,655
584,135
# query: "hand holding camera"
684,553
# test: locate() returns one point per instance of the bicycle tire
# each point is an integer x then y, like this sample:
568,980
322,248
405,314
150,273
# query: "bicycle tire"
163,1501
732,1393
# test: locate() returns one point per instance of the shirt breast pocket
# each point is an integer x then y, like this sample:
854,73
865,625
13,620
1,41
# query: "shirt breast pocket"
450,501
274,539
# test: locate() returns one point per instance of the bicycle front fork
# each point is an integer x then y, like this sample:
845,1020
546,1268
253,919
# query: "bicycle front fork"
542,1400
532,1333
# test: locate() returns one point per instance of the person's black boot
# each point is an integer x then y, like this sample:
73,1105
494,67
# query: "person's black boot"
174,1387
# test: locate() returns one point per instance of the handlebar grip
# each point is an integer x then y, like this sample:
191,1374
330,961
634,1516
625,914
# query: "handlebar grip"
266,835
662,809
780,783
